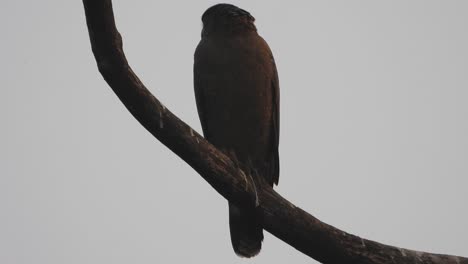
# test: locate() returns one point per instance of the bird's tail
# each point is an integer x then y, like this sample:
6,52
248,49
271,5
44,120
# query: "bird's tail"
246,231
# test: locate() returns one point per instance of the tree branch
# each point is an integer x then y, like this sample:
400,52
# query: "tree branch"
281,218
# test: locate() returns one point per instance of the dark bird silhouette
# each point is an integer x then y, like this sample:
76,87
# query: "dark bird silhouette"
237,94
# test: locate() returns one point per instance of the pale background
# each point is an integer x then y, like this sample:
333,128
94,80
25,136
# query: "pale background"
374,130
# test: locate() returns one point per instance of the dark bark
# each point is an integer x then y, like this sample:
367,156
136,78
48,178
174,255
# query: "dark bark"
281,218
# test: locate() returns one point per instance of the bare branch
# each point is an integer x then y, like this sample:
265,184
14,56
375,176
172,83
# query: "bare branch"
281,218
106,44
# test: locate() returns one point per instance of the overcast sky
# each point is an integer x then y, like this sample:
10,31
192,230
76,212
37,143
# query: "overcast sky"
374,130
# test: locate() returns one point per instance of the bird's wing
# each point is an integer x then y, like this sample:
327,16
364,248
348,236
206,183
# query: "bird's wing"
275,123
200,100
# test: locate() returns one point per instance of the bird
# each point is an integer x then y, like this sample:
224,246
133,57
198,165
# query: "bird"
237,95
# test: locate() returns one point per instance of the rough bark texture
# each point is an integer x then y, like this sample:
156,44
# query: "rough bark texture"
281,218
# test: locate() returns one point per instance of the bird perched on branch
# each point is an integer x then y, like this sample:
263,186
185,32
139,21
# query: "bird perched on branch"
237,95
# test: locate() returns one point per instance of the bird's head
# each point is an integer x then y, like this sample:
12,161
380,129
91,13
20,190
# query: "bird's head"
226,19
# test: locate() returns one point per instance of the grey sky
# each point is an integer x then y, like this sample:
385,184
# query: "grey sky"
373,130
